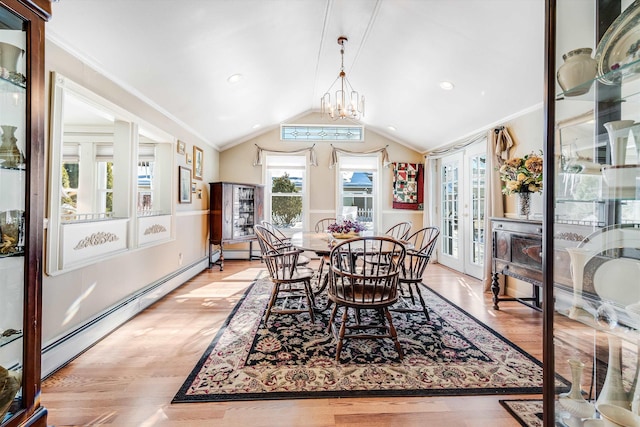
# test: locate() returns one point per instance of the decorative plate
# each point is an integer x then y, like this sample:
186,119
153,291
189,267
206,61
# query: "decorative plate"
619,48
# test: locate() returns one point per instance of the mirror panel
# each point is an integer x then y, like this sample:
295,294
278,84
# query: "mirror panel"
109,170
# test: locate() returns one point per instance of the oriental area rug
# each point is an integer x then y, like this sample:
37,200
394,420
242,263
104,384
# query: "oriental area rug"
528,412
292,357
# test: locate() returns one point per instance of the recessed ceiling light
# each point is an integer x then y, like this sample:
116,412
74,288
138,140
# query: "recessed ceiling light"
391,127
256,126
235,78
446,85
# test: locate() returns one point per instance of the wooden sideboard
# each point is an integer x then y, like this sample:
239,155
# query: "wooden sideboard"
517,252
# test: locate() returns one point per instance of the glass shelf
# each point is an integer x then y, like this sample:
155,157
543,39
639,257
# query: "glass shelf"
19,169
14,79
4,340
624,74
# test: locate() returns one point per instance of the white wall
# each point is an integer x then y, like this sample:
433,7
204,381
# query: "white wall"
527,133
77,299
236,165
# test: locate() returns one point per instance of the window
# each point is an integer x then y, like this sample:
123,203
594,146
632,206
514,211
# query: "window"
321,133
104,188
358,181
286,192
145,187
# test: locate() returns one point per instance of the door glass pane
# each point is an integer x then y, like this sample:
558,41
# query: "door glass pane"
243,211
478,169
450,209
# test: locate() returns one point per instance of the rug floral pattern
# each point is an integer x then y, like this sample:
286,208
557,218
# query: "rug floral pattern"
528,412
291,357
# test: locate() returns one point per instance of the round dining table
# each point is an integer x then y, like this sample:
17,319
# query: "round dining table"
321,243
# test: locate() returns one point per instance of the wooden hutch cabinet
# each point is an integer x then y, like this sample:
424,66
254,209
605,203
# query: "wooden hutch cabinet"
235,209
21,208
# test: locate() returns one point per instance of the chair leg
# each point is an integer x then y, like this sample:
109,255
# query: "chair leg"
343,328
413,300
310,299
272,300
320,268
393,333
424,306
332,317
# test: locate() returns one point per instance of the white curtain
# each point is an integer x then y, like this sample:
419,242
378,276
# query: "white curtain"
313,160
499,143
334,155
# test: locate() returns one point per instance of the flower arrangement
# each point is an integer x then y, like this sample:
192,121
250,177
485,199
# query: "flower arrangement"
522,174
346,226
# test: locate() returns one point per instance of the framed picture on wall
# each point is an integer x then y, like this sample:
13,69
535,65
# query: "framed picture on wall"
181,147
184,185
198,158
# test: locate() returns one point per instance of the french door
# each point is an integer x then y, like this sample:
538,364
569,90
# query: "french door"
462,178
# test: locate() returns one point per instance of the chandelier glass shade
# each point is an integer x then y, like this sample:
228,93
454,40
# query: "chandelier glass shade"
347,102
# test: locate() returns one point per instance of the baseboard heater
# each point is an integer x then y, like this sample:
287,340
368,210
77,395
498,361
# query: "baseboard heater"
64,349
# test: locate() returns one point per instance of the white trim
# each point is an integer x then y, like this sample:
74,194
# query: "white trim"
402,211
193,212
61,350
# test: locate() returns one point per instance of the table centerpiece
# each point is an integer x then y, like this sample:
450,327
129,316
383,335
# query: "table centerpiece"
346,229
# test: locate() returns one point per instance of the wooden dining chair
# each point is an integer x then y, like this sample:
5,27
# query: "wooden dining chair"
278,240
422,244
323,224
274,230
400,231
354,287
291,284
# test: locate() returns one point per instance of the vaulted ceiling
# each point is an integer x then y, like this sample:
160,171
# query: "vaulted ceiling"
177,55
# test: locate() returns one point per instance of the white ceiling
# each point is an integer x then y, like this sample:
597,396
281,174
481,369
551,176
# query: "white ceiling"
178,54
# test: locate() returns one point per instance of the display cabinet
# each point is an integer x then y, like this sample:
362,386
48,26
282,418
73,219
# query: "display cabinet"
591,228
235,209
21,208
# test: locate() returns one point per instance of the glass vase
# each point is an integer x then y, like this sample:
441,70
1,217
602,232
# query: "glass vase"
524,205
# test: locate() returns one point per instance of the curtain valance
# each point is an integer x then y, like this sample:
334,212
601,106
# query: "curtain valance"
313,160
334,155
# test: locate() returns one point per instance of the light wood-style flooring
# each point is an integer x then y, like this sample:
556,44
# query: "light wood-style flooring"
130,377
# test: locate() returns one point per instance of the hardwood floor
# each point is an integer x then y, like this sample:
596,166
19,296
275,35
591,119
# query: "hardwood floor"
130,377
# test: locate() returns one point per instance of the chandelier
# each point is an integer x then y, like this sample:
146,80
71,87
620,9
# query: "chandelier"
348,104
